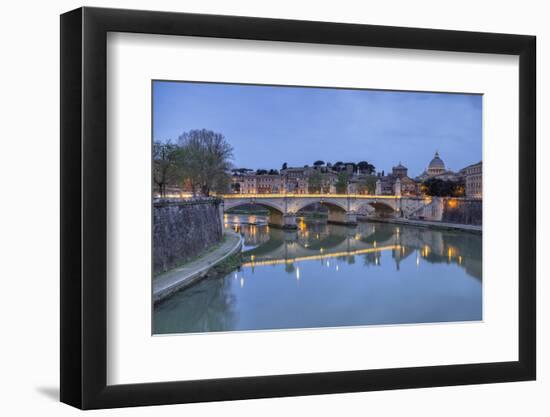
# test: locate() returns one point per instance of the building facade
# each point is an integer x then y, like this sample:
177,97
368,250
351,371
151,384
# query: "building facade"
397,183
327,179
473,179
257,184
295,180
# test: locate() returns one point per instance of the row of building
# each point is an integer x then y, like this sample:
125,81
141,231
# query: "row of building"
399,183
298,180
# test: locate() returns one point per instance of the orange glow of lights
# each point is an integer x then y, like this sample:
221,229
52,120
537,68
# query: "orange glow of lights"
321,257
266,195
425,251
453,203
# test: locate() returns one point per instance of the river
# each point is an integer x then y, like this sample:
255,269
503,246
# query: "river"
324,275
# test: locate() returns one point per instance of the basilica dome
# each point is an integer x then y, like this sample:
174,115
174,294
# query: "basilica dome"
436,162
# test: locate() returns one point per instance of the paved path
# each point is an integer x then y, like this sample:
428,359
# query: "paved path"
427,223
178,278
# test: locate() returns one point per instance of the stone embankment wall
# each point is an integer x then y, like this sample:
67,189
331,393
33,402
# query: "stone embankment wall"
450,210
463,211
184,229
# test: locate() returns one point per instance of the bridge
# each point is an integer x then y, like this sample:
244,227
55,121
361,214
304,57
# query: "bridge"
342,208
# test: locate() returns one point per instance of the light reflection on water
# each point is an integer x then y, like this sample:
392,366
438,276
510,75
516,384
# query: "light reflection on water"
326,276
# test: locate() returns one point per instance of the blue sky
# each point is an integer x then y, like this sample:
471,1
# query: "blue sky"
270,125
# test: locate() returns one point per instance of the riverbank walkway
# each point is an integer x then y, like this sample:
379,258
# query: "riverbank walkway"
428,223
174,280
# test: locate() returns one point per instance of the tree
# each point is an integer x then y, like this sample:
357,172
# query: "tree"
261,171
353,166
318,163
367,185
342,182
365,167
437,187
315,182
460,190
318,183
273,172
165,168
285,165
205,158
338,166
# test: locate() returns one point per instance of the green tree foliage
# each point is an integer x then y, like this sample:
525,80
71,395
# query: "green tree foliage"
342,182
315,182
166,170
437,187
365,167
241,170
318,183
205,160
353,166
338,166
367,185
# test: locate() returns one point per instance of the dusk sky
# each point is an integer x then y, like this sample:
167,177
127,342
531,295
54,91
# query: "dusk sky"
270,125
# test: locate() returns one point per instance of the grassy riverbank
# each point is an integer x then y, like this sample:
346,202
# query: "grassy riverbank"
229,264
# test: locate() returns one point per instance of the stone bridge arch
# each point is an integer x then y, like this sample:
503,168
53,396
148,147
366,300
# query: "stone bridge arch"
332,205
378,207
230,204
338,211
277,213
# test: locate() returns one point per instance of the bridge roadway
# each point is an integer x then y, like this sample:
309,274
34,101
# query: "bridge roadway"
342,208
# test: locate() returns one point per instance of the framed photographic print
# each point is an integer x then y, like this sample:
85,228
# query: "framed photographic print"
258,207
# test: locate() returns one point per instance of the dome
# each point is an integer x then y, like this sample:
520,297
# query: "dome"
437,162
400,166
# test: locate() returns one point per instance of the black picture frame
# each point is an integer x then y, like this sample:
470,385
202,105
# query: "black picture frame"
84,207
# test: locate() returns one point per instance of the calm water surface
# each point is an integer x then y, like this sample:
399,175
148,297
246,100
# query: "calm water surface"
326,275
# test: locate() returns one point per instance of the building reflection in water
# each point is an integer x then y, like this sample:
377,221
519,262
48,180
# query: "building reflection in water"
318,275
321,241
